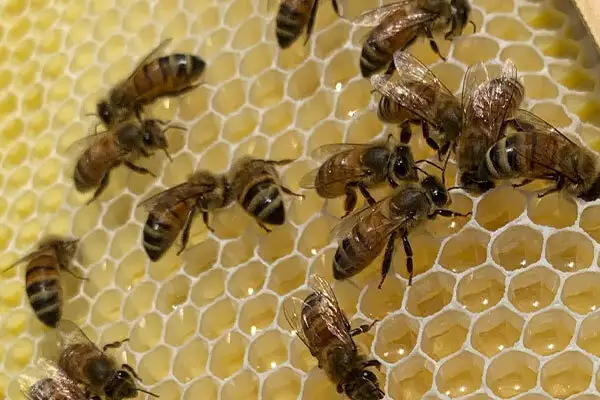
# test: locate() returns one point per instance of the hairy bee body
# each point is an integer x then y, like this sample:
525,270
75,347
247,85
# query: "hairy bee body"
291,20
96,162
48,382
162,228
83,363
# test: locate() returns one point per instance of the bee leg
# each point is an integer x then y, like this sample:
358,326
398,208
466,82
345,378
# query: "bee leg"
285,161
263,226
336,7
390,69
137,168
363,328
448,213
371,363
405,132
205,219
311,21
350,201
131,371
77,276
556,188
288,191
103,184
185,236
340,387
114,345
524,182
409,257
433,44
387,258
365,192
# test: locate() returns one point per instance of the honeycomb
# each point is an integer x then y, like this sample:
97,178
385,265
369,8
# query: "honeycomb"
503,304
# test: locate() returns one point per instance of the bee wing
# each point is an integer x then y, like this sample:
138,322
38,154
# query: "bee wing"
412,70
308,180
175,195
63,386
70,334
404,23
344,228
476,74
321,286
292,309
374,16
83,143
327,150
153,53
528,121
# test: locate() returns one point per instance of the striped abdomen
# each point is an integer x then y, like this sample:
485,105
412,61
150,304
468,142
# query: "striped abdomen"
96,162
84,363
314,326
262,199
291,19
165,76
44,291
162,227
335,173
359,249
392,112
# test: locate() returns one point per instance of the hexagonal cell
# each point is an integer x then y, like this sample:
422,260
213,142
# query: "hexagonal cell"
268,351
229,97
430,294
318,386
257,313
377,303
181,326
445,334
589,222
588,337
460,375
496,331
549,332
493,211
314,110
155,365
278,244
569,251
396,337
327,42
247,280
353,98
218,318
315,236
287,275
508,28
305,81
210,286
240,125
341,68
227,355
425,249
277,118
465,250
242,386
567,374
147,333
533,289
256,60
486,49
517,247
204,388
172,294
542,17
107,307
248,34
201,257
290,145
300,356
481,289
267,90
411,379
557,47
190,360
512,373
539,87
282,384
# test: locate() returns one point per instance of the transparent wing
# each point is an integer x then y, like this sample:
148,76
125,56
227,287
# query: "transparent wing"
318,284
152,54
411,69
175,195
308,180
476,74
47,377
528,121
508,70
344,228
70,334
374,16
292,309
24,259
79,145
327,150
402,24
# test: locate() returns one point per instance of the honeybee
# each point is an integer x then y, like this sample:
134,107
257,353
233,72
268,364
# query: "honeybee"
352,166
173,210
88,365
540,151
293,17
154,77
256,186
363,234
42,277
114,147
488,106
398,25
419,96
323,327
49,382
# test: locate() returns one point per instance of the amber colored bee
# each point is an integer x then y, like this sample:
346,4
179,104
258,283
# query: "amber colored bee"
114,147
49,382
256,186
540,151
323,327
488,106
293,17
350,166
363,234
86,364
154,77
398,25
418,96
173,210
42,277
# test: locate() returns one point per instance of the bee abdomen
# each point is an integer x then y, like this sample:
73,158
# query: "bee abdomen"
83,181
502,159
290,23
348,259
160,233
264,201
372,59
45,293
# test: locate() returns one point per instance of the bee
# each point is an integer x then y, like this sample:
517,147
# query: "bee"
114,147
398,25
294,16
256,186
173,210
488,106
49,382
418,96
153,78
350,166
42,277
88,365
363,234
540,151
323,327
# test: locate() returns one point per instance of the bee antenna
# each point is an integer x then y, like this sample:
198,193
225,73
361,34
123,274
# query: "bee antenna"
430,163
444,169
474,26
147,392
422,171
167,154
89,114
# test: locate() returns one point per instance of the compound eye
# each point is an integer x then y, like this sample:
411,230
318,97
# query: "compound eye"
439,196
122,375
369,375
400,168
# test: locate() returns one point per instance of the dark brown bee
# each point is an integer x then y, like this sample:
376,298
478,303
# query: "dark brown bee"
83,362
293,17
49,382
173,210
363,234
350,166
418,96
398,25
256,186
488,105
154,77
42,277
540,151
323,327
114,147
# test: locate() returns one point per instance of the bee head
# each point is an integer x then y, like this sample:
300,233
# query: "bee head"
121,386
461,9
436,190
363,385
593,193
403,164
154,134
104,112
